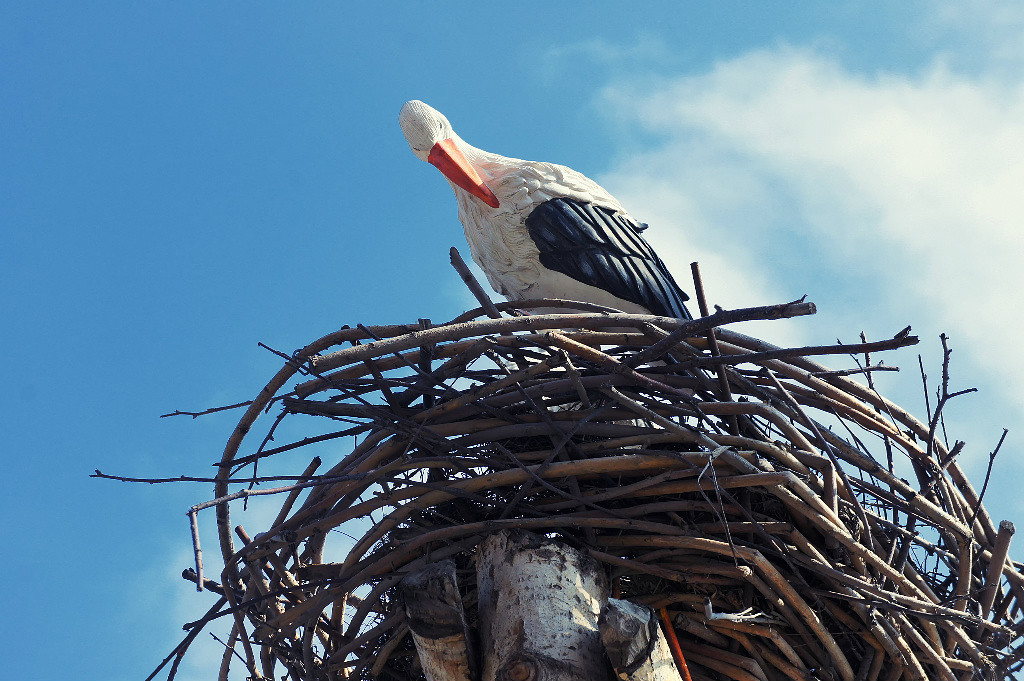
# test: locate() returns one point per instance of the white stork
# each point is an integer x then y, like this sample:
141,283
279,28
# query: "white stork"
541,230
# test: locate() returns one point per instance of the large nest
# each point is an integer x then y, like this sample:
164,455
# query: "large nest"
751,491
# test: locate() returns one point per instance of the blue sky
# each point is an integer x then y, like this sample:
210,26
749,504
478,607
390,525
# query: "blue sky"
180,180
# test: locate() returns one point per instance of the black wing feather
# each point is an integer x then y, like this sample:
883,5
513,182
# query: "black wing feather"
603,248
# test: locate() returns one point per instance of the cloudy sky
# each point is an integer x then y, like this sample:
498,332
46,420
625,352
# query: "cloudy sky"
179,181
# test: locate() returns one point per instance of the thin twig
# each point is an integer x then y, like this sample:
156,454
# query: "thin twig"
852,372
474,286
988,475
211,410
723,380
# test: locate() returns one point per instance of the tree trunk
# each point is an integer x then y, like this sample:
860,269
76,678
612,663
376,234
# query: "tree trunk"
635,643
539,602
433,610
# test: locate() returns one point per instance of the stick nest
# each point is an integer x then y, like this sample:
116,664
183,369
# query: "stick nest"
618,436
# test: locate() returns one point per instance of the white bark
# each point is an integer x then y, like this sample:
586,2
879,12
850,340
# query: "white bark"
539,602
635,643
433,610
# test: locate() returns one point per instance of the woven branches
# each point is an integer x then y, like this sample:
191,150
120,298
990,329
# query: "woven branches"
757,496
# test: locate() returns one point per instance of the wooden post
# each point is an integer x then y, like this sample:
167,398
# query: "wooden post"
539,602
635,643
433,611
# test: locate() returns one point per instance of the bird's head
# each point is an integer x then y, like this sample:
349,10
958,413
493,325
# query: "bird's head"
432,139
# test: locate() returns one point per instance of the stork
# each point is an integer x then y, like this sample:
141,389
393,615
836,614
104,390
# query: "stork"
542,230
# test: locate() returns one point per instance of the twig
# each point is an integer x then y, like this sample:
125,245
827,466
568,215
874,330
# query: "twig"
831,455
474,286
988,475
723,380
851,372
194,524
692,328
760,357
944,395
188,478
179,650
211,410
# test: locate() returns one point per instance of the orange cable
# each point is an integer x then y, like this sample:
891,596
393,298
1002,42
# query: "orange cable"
673,643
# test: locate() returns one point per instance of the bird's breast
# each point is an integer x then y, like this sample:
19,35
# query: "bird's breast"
498,238
501,245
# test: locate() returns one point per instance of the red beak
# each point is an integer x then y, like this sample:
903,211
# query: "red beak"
447,158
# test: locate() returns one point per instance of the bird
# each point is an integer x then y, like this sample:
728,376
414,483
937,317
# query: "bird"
542,230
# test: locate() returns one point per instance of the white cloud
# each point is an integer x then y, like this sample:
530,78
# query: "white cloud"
988,33
686,192
611,56
161,599
896,199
